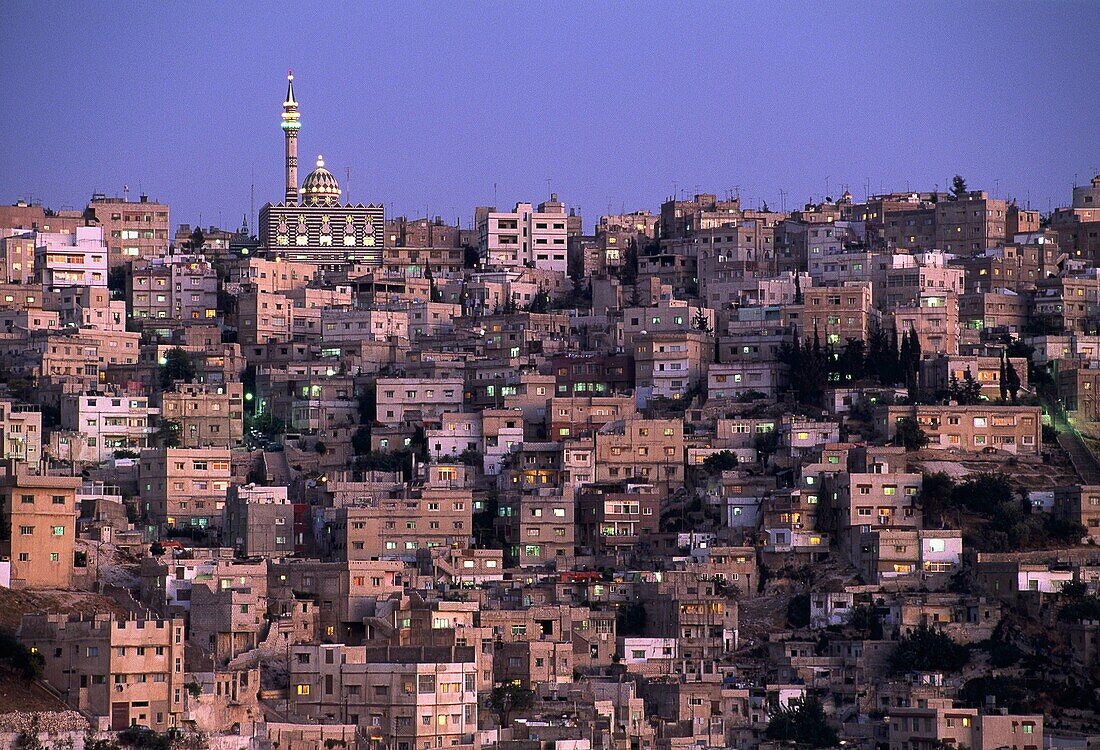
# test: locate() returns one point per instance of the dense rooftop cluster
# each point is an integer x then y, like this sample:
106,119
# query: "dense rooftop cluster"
716,476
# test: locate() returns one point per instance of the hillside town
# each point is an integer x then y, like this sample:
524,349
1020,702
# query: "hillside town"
711,475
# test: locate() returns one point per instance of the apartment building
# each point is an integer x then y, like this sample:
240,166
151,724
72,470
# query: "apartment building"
207,414
1000,310
76,259
127,671
1079,504
132,229
615,518
920,728
402,400
891,553
934,318
1068,303
526,236
1079,388
39,514
897,286
742,379
259,521
272,276
593,373
181,488
458,432
16,256
1014,429
937,372
407,697
577,416
644,450
106,421
971,224
20,432
670,365
837,313
177,287
398,527
538,525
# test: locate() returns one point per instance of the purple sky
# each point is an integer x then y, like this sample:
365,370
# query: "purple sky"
615,103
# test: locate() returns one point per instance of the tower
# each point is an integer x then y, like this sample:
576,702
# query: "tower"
290,126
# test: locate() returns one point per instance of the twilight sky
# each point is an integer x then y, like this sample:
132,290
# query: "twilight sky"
617,104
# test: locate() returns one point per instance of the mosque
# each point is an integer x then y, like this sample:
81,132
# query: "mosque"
312,224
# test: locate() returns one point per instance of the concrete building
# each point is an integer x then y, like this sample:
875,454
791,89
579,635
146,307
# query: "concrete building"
392,528
616,517
922,728
971,224
176,287
408,697
20,432
107,421
127,671
1013,429
1079,504
39,514
259,521
644,450
207,414
838,313
1079,388
181,488
16,256
131,229
76,259
934,318
526,236
417,399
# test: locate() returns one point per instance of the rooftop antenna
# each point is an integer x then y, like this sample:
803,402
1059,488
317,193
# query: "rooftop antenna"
347,184
126,191
494,196
826,186
548,186
996,187
252,199
737,191
783,200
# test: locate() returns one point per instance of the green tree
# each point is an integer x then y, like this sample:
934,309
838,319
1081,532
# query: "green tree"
935,495
766,443
803,722
177,367
630,619
1012,378
197,240
958,188
628,271
910,434
168,434
508,698
699,322
966,392
798,611
927,649
721,461
18,657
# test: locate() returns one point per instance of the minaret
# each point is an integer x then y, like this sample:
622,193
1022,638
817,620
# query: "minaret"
290,130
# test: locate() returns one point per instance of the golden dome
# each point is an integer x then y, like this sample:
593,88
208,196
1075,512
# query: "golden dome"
320,187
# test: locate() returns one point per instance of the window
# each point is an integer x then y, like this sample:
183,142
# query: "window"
302,689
